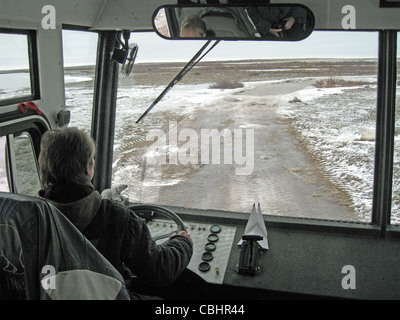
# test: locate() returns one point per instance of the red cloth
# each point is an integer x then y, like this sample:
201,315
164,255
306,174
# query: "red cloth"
25,107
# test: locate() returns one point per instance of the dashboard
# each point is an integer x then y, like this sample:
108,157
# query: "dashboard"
211,250
301,263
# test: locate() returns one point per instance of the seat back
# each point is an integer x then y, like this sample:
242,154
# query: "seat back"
44,256
226,22
231,23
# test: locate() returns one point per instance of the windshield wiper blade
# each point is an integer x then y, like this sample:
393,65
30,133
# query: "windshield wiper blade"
180,75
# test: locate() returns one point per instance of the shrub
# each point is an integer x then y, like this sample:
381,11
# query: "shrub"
226,84
332,82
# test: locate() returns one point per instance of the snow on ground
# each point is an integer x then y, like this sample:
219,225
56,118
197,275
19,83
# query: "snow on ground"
328,122
331,122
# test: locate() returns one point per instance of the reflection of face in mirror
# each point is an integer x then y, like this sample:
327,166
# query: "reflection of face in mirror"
269,22
193,27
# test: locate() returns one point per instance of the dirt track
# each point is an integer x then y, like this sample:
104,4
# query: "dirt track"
289,179
291,183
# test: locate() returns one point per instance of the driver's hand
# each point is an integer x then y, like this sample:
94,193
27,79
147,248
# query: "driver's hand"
185,234
275,32
290,22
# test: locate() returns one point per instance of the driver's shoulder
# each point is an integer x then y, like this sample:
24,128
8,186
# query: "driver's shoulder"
110,209
118,212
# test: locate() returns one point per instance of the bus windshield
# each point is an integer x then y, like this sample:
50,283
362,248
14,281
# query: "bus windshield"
288,125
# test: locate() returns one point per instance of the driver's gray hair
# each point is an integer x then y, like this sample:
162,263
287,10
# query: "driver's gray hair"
65,154
194,22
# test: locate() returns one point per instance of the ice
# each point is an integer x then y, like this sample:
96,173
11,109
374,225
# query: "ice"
74,79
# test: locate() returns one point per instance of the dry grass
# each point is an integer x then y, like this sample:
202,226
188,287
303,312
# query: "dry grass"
332,83
226,84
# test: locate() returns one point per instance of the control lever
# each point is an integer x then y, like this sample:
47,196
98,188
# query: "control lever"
250,255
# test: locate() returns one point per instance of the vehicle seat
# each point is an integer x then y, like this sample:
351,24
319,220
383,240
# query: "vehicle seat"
43,256
224,25
232,22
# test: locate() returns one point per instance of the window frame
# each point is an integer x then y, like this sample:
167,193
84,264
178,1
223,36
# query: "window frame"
385,131
33,66
33,125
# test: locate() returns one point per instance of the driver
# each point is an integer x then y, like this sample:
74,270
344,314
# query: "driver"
66,165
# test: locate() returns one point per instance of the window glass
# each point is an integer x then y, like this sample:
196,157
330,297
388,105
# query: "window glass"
14,66
26,175
28,181
79,71
395,216
3,166
287,125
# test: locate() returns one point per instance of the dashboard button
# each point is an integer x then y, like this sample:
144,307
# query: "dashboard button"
210,246
204,266
207,256
215,229
213,237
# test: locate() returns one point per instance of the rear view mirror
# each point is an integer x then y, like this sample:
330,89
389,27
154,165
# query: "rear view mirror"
250,22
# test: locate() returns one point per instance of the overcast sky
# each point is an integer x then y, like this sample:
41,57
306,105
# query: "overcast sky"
318,44
80,48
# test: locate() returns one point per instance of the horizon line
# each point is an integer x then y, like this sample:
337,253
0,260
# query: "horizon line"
15,70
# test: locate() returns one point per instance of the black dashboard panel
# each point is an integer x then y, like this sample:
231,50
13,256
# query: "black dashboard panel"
301,263
304,263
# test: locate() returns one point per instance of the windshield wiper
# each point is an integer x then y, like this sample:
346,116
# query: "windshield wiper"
196,58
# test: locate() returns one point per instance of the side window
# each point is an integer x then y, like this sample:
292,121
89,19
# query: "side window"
21,174
3,166
27,173
395,216
80,49
17,74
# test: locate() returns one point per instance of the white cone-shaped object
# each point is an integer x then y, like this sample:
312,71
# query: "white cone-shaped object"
256,226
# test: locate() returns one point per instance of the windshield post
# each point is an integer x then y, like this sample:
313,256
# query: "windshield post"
385,129
104,109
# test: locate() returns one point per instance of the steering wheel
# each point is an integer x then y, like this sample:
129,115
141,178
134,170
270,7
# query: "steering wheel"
148,212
